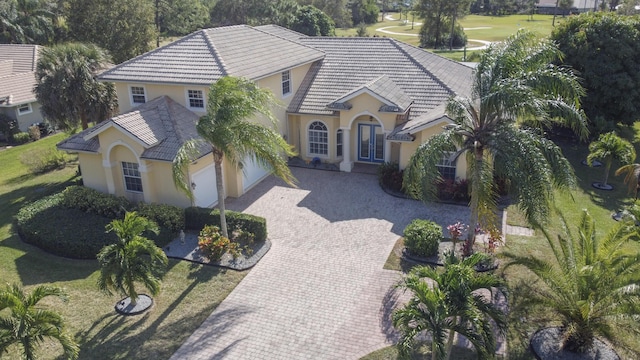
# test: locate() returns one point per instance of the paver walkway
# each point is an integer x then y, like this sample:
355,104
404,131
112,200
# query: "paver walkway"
321,291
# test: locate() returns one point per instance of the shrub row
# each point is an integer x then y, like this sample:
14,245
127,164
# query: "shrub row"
196,218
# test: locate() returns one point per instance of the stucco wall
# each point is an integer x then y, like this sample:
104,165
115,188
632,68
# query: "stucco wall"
24,121
93,174
176,92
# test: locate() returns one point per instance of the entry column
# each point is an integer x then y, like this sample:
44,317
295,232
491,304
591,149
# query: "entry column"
346,164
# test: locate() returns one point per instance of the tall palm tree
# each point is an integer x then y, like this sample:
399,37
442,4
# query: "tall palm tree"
67,89
516,92
451,305
28,324
230,131
608,147
591,282
132,259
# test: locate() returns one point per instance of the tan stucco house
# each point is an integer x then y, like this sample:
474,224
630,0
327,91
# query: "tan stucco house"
344,101
17,80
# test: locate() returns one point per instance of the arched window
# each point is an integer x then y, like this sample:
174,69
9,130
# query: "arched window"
339,142
318,139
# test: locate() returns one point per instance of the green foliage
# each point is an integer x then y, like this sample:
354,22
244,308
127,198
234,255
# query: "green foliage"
8,127
309,20
126,28
590,281
95,202
28,22
21,138
604,48
42,160
132,259
61,231
611,147
181,17
67,89
430,38
167,216
452,304
422,237
214,245
196,218
390,176
27,325
34,132
439,15
361,30
363,11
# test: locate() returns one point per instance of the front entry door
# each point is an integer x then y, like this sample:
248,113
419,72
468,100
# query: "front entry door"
370,143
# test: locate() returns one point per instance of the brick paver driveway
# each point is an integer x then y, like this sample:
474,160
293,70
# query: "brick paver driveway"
321,291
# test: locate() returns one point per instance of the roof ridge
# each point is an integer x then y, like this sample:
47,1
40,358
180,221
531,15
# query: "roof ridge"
289,40
34,59
396,43
214,51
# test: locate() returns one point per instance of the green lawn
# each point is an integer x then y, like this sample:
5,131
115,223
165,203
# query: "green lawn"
189,292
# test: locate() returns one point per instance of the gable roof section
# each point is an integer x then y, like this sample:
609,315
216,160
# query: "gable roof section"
205,56
383,89
350,63
161,126
281,32
17,79
406,130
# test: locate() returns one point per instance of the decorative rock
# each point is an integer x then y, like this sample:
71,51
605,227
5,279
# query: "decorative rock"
601,186
595,163
545,345
124,306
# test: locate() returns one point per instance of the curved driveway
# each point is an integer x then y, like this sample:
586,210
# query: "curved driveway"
321,291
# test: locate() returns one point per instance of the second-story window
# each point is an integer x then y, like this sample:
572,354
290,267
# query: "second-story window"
137,95
196,99
286,82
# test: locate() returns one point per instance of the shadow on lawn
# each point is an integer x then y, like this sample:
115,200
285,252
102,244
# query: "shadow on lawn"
112,336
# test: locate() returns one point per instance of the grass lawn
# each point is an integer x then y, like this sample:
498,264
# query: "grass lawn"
480,27
189,292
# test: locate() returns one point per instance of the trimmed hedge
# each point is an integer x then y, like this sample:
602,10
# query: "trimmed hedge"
422,238
196,218
95,202
167,216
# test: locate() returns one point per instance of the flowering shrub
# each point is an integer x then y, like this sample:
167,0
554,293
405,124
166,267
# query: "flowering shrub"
455,231
214,245
495,238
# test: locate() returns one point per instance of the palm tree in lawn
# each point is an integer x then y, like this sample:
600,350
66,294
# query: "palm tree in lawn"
452,304
67,90
632,177
591,281
516,92
26,324
132,259
229,130
608,147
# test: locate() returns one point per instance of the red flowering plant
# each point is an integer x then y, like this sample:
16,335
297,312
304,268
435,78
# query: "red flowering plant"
455,231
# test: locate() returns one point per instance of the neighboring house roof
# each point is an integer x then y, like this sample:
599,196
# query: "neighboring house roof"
161,126
205,56
17,74
428,80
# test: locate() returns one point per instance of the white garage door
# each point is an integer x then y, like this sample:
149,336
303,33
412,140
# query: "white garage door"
252,173
205,192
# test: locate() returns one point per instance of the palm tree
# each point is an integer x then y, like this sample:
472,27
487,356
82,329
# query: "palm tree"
67,89
591,283
231,134
451,305
517,91
26,22
27,324
608,147
133,258
632,177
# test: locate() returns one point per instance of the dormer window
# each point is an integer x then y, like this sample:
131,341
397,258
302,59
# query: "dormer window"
286,83
138,95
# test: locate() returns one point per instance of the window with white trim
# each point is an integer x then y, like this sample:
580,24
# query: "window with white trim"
286,82
132,178
137,95
339,142
196,99
318,139
24,109
447,166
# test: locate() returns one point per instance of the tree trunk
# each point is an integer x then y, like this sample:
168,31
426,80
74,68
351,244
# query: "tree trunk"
475,202
555,11
83,120
607,169
217,160
452,334
453,27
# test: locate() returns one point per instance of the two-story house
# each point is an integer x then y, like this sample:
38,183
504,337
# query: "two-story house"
344,100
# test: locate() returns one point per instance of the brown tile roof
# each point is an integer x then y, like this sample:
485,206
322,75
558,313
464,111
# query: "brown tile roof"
206,55
161,125
350,63
17,74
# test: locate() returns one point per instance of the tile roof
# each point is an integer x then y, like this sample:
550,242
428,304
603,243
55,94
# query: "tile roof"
382,87
205,56
350,63
281,31
17,73
161,125
406,130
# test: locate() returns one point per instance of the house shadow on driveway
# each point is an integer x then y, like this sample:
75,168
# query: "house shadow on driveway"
339,196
